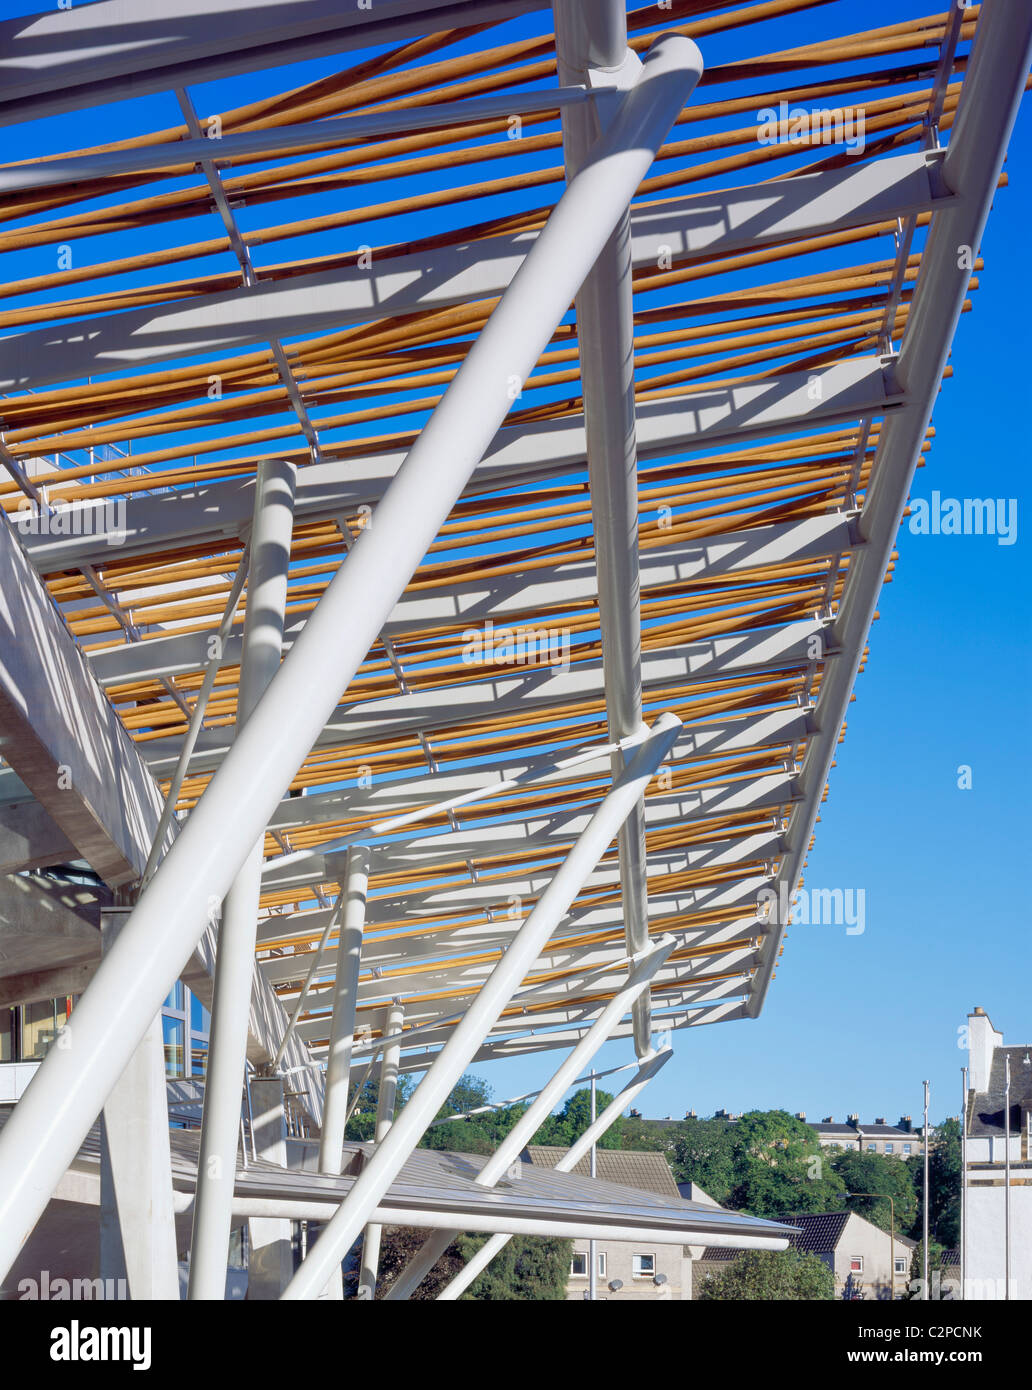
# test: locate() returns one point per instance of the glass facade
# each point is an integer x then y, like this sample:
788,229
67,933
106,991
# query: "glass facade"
172,1032
27,1030
185,1025
8,1034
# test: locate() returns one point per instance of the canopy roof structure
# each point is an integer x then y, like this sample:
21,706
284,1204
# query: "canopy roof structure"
558,430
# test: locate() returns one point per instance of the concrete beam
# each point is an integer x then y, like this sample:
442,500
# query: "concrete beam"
61,736
30,838
45,925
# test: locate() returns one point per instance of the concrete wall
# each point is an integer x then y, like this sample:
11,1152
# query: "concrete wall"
984,1238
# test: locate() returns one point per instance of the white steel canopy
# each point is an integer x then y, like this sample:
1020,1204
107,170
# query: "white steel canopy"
568,513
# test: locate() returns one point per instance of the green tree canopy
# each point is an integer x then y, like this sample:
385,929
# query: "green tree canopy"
944,1180
887,1176
769,1274
479,1134
704,1153
566,1127
528,1269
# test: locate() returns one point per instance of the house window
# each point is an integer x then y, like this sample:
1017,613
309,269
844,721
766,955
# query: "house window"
900,1264
643,1266
906,1148
579,1265
872,1148
856,1264
888,1148
601,1257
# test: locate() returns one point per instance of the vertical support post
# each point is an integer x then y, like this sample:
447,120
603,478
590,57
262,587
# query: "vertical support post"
1006,1178
924,1203
137,1222
591,49
648,1069
593,1245
345,998
234,963
342,1028
271,1257
385,1102
963,1180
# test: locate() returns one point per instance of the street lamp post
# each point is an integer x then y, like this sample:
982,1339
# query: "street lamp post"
1006,1177
924,1203
592,1246
963,1182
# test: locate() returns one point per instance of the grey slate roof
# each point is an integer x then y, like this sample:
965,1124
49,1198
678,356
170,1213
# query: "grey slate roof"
986,1117
819,1234
646,1171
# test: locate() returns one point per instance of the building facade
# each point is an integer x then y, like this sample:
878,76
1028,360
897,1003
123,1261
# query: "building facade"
901,1140
626,1270
997,1243
867,1262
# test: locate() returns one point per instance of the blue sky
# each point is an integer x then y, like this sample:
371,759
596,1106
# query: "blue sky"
852,1022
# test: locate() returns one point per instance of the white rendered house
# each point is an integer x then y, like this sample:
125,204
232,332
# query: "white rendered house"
997,1192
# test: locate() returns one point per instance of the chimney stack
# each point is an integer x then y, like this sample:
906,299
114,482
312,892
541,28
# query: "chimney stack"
983,1040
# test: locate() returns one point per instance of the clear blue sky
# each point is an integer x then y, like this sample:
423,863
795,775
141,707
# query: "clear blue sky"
852,1023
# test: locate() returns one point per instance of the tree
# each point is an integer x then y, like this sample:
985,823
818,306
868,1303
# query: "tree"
779,1167
936,1277
649,1135
362,1124
566,1127
704,1153
770,1274
766,1162
527,1269
887,1176
478,1134
944,1177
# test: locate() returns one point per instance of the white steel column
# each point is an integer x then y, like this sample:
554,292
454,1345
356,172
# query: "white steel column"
64,1097
483,1013
530,1122
345,995
270,1260
138,1228
591,46
342,1028
234,963
385,1101
648,1069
